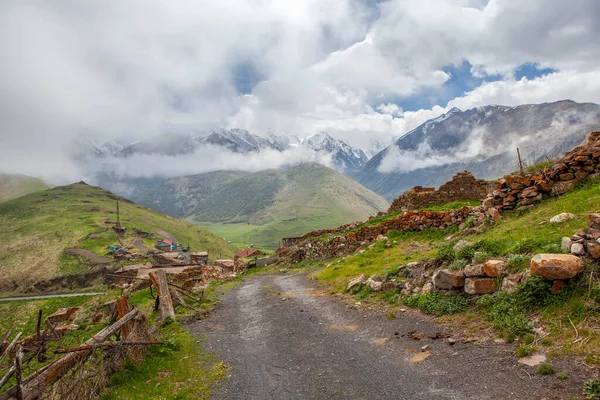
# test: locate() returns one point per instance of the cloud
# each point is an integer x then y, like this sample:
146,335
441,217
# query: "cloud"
134,69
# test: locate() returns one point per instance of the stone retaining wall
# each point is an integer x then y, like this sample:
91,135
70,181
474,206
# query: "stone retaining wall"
463,186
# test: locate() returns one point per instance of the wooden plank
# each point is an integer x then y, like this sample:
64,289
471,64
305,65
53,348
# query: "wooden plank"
19,372
122,310
37,383
165,305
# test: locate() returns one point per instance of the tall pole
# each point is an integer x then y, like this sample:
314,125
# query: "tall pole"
520,162
118,217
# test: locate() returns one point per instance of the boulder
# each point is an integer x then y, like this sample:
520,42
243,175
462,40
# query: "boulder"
494,214
566,244
445,279
510,282
493,268
374,283
557,219
593,249
556,266
427,288
480,285
562,187
577,249
594,221
387,286
474,270
356,281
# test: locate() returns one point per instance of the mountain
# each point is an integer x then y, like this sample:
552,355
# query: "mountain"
345,158
13,186
482,140
39,227
260,208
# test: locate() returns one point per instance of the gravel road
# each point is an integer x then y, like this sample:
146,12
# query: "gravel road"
283,337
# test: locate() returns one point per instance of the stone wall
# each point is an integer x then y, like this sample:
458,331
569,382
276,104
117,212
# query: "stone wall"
463,186
351,239
525,190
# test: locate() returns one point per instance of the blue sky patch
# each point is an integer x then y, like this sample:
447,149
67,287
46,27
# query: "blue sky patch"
245,77
531,71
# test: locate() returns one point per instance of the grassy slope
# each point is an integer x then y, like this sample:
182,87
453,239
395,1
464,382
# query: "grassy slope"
266,206
13,186
518,233
38,227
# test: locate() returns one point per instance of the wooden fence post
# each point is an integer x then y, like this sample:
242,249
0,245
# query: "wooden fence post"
165,303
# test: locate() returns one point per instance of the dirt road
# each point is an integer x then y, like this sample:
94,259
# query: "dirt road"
284,338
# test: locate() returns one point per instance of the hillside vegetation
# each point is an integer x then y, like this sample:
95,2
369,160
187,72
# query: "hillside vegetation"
569,320
37,229
262,208
13,186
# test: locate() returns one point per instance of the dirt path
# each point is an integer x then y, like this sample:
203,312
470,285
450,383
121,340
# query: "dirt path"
90,256
284,338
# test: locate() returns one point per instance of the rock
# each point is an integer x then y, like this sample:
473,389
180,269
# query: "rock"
427,288
461,244
556,266
534,360
594,221
387,286
480,285
451,341
381,237
474,270
557,219
493,268
402,310
412,264
425,348
510,282
565,244
562,187
62,315
593,249
355,282
445,279
557,285
577,249
494,214
375,284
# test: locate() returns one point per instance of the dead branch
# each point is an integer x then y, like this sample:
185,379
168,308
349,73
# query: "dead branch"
7,376
19,372
4,341
105,345
177,298
10,346
37,383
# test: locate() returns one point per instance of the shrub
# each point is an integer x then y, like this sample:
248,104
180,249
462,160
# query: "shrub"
591,389
466,253
528,338
552,248
438,304
562,376
458,265
518,263
545,369
362,291
470,222
546,341
480,257
446,253
523,350
494,247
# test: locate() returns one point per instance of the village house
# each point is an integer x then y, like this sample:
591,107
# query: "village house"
227,265
165,245
200,258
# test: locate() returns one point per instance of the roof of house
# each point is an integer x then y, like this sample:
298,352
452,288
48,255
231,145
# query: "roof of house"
226,263
201,253
248,253
166,241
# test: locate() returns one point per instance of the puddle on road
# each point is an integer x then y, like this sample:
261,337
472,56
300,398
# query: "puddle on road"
419,357
348,328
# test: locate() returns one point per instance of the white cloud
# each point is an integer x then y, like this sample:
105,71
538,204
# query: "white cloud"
133,68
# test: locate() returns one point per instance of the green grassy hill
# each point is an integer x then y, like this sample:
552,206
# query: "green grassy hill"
13,186
263,207
37,228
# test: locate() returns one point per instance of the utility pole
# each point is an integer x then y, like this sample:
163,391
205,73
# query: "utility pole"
118,217
520,162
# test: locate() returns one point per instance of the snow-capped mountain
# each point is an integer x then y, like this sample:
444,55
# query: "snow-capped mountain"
345,157
482,140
